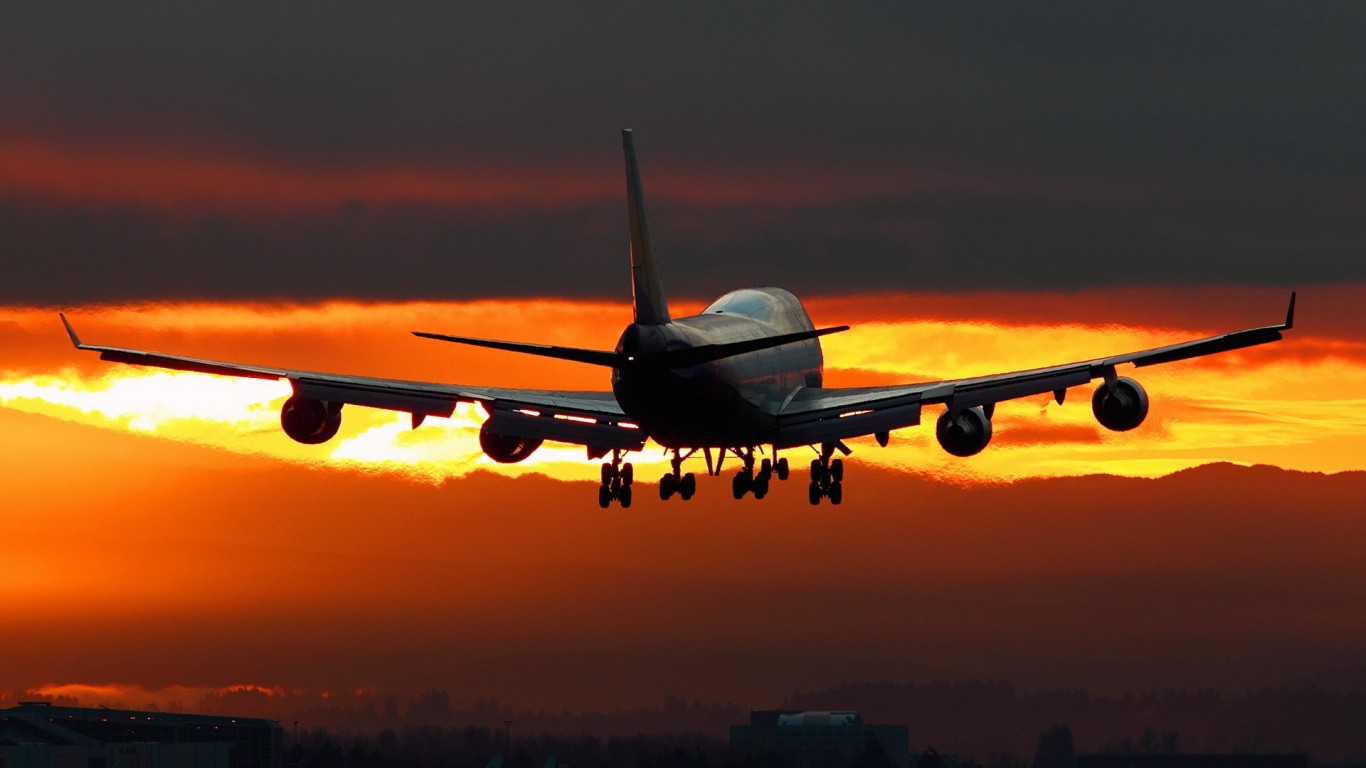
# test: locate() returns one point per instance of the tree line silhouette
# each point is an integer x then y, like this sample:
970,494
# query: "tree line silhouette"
988,723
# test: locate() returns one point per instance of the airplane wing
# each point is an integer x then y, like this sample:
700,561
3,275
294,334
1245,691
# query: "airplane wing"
820,415
585,418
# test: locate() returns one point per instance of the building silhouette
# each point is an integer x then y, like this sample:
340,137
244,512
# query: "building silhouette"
39,735
811,739
1195,760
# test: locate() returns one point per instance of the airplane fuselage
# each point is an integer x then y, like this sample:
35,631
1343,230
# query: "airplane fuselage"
729,402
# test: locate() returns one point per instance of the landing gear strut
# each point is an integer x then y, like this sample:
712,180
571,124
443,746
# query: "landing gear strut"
677,482
827,476
755,480
616,482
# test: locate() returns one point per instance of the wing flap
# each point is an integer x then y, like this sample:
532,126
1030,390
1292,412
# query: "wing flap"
176,363
545,426
1213,345
853,424
378,395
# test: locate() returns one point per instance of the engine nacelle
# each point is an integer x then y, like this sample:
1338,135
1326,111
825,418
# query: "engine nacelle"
310,421
1120,406
506,449
963,433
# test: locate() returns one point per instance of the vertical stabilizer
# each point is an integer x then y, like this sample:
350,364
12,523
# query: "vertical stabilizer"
646,292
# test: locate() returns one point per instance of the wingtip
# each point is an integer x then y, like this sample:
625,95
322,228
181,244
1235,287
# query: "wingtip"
1290,313
71,332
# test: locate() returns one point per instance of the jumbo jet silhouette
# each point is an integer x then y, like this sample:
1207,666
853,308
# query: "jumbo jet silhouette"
742,376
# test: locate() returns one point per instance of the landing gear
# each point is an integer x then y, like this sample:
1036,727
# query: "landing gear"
751,479
677,482
617,479
754,477
827,476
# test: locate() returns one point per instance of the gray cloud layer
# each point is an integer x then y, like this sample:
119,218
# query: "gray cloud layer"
1121,143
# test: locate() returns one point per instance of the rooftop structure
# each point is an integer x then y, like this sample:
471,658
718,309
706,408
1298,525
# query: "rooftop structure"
827,738
39,735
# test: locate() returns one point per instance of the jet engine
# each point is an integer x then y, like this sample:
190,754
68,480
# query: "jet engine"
506,449
1120,406
310,421
963,433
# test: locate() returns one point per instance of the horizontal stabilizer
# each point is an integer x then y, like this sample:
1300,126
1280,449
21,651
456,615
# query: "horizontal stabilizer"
673,358
687,358
590,356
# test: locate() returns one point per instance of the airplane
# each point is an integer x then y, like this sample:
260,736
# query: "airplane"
743,375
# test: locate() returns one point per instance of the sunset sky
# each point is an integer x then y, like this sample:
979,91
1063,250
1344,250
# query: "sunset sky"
974,190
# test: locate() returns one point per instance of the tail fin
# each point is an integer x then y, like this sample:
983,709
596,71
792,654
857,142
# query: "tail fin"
647,294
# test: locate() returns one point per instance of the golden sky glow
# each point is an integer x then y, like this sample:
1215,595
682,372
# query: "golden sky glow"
1296,405
168,511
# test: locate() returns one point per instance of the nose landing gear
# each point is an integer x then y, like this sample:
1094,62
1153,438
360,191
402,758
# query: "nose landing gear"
617,478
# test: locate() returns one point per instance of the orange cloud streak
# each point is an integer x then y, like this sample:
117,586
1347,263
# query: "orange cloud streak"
162,178
1295,405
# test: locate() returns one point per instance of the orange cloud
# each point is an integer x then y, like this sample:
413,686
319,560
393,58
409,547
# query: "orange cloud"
132,695
1296,410
164,178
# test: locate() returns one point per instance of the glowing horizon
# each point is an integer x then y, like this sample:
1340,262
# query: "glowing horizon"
1286,404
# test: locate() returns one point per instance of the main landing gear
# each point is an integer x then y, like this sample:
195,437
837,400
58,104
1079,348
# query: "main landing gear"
617,479
677,482
750,480
827,476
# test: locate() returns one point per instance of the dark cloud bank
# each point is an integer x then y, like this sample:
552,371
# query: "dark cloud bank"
1077,145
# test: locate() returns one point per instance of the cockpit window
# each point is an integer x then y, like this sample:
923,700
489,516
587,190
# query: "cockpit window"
760,305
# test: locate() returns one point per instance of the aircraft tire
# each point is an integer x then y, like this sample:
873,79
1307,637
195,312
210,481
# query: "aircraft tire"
624,496
609,473
628,473
813,493
668,484
817,471
781,468
687,486
739,486
836,492
837,470
604,496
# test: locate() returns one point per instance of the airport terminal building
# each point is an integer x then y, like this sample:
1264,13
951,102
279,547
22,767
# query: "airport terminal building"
39,735
813,739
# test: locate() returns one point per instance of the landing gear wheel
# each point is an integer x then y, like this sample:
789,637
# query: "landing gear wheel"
609,473
668,485
813,493
604,496
765,467
781,468
628,474
836,470
836,493
624,496
818,472
761,488
739,486
687,486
